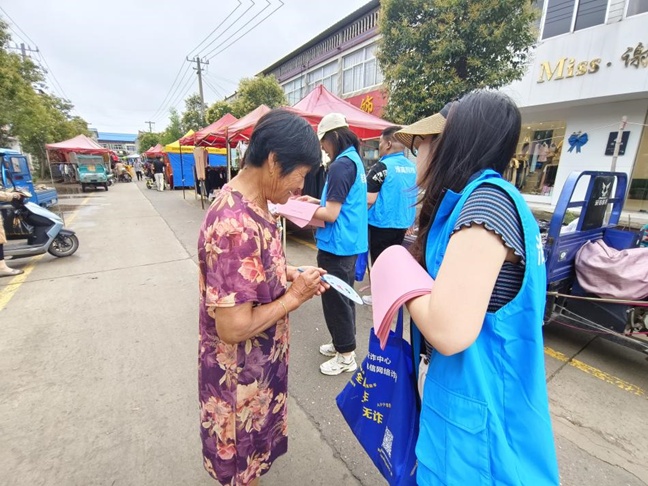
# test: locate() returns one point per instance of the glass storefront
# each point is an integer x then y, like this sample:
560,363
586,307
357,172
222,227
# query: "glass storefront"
534,168
638,193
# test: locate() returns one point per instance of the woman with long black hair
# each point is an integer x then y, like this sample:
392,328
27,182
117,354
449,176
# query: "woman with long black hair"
485,414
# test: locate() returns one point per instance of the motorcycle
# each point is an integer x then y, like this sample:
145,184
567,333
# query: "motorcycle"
42,229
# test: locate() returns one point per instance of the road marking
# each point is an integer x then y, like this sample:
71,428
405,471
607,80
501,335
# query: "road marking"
595,372
303,242
7,293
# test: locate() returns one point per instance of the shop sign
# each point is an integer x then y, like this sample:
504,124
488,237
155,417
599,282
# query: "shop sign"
568,67
572,69
372,102
367,104
635,56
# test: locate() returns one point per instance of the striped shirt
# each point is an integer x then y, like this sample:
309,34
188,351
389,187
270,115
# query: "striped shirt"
490,207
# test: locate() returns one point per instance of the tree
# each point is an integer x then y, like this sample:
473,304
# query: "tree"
217,111
433,51
146,140
253,92
174,130
192,118
27,112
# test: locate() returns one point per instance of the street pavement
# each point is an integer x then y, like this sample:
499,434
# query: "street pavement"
98,360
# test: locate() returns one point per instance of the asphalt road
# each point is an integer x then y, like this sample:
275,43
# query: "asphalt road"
98,359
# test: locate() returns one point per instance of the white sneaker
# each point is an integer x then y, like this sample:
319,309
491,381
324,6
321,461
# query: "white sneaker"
328,350
339,364
367,299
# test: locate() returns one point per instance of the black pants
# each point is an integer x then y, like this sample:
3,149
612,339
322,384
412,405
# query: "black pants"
382,238
339,311
139,175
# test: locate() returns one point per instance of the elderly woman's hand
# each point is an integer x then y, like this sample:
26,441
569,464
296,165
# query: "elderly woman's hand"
307,284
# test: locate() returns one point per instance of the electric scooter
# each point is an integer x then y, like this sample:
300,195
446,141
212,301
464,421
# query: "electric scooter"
42,229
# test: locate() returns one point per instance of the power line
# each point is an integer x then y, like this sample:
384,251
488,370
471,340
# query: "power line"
230,26
216,91
29,39
171,93
218,26
162,105
181,94
160,109
214,81
246,32
48,71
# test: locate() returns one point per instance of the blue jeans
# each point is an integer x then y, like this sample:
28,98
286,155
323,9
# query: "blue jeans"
339,311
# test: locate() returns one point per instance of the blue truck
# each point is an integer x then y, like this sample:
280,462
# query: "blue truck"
15,170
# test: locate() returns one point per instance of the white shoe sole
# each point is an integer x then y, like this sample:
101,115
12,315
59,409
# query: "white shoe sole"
328,354
346,369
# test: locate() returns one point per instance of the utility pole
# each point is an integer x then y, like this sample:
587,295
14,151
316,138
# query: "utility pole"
617,143
150,123
199,71
24,50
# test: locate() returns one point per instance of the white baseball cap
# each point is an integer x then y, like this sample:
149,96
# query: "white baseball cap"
331,122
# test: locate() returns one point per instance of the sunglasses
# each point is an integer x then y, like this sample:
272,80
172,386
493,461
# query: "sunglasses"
414,147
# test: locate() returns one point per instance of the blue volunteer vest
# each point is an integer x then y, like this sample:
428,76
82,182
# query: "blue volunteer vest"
348,234
395,204
485,414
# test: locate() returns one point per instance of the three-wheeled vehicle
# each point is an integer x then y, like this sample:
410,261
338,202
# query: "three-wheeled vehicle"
617,319
15,171
92,172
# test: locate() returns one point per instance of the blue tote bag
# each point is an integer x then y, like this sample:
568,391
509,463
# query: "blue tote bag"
361,266
380,405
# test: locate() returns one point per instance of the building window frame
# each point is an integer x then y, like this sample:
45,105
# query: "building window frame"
331,77
378,79
296,85
572,26
627,7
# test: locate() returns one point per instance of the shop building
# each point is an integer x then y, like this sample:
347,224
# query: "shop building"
342,58
589,69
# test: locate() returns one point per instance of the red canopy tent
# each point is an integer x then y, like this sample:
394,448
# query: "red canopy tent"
223,122
80,145
156,151
321,102
234,132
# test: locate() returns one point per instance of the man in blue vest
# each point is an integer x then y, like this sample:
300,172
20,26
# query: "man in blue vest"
391,196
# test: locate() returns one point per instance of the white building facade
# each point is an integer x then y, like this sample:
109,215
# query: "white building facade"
589,70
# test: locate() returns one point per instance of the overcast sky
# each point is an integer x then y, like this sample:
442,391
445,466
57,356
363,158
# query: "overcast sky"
117,60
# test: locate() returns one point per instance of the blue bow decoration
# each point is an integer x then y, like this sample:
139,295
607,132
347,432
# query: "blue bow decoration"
576,141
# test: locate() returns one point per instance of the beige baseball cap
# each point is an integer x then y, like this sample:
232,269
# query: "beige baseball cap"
331,122
431,125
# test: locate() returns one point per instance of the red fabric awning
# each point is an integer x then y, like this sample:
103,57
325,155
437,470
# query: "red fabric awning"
321,102
79,144
242,129
156,151
223,122
236,131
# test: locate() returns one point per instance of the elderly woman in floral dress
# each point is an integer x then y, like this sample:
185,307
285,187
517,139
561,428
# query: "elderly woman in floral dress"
245,301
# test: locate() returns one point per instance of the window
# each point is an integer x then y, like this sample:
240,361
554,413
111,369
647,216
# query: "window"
325,75
117,146
565,16
361,70
636,7
638,194
130,148
590,13
535,164
294,91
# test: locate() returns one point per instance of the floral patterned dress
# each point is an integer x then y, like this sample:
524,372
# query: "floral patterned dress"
242,387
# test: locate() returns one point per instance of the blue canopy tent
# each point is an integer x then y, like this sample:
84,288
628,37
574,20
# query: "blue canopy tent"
182,161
